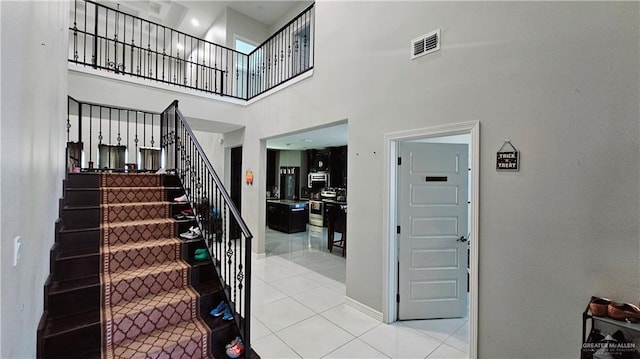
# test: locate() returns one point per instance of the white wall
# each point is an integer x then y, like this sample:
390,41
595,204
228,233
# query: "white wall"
217,33
33,67
560,80
298,8
213,148
245,27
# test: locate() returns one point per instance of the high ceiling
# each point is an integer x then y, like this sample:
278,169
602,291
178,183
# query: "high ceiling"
178,14
311,139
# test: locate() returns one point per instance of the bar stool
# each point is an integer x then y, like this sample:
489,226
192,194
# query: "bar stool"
337,223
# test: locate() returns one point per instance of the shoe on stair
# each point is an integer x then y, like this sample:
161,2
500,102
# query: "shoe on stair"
219,310
228,315
181,199
235,349
192,233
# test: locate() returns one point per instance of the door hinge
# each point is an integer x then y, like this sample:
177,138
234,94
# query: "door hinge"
399,161
398,229
397,297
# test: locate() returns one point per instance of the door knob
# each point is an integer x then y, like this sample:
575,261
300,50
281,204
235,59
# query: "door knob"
462,239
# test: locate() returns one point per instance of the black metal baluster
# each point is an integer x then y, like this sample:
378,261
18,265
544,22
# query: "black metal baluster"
183,62
152,142
90,135
84,36
172,58
106,42
144,129
115,41
94,57
136,140
68,118
164,49
190,61
110,117
155,52
124,45
119,138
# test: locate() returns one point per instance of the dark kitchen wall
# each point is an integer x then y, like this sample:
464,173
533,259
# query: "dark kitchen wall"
285,158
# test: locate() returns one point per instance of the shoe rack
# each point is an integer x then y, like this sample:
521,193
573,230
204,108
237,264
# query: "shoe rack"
606,337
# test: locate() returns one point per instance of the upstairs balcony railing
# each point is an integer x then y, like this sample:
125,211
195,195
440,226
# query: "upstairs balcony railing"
110,137
123,44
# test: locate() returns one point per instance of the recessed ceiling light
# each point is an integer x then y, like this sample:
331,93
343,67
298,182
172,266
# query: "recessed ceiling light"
179,46
195,22
307,140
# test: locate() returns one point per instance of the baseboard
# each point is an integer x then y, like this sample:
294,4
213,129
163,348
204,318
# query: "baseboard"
377,315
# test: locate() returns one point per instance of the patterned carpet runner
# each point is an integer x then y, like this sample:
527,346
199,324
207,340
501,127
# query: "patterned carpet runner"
148,308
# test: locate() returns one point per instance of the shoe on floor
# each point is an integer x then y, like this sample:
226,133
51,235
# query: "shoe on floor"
217,311
181,199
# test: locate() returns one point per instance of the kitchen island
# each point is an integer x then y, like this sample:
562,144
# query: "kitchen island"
287,216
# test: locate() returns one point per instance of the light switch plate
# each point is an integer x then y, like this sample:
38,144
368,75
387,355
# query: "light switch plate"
16,250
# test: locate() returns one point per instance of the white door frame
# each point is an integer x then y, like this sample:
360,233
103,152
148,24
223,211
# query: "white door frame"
390,253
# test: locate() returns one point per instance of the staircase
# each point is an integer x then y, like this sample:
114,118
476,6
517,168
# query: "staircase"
122,282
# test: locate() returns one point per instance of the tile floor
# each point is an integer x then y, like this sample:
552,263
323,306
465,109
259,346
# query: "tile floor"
299,311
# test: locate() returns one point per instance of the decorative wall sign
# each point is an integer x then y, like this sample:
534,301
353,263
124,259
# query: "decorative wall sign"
508,158
249,177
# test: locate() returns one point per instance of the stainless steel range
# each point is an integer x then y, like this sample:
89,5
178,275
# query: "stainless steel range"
317,206
316,213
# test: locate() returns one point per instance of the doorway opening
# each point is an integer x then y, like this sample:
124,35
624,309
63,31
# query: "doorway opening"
421,228
235,189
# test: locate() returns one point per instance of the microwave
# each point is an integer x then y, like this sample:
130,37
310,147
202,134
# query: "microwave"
316,178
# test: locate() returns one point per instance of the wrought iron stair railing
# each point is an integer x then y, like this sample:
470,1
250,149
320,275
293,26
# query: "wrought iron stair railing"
215,211
116,42
111,137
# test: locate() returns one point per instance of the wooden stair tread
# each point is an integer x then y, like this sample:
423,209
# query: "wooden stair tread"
216,324
147,303
56,326
143,244
141,222
78,253
71,284
148,343
208,288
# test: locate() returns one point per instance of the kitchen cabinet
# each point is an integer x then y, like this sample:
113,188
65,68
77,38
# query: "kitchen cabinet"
272,172
287,216
338,163
332,160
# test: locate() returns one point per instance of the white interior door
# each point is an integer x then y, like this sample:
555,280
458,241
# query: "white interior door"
433,216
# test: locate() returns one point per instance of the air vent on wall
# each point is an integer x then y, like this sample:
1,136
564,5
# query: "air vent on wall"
425,44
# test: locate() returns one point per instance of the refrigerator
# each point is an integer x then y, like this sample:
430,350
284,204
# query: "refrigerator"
289,183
